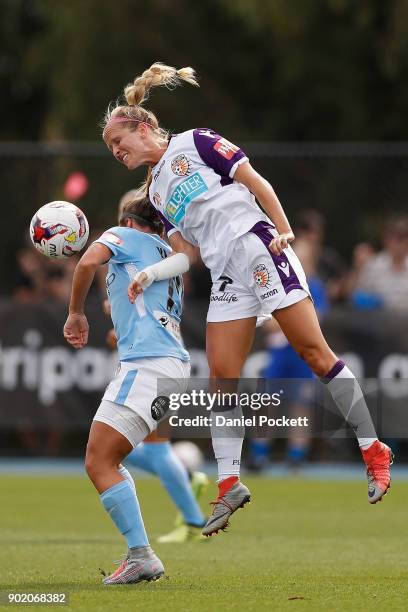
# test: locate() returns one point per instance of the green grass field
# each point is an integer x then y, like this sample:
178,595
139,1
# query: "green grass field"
298,546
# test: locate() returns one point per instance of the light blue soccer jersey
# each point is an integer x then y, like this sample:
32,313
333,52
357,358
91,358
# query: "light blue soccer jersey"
151,326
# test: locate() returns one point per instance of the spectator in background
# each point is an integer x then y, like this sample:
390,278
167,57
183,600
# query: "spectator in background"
363,252
382,280
58,279
328,266
24,290
29,276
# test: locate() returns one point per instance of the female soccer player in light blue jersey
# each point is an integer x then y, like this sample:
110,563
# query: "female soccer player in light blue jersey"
150,348
155,454
205,188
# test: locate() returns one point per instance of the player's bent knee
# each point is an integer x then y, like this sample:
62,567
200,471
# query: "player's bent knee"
90,466
95,464
316,360
224,370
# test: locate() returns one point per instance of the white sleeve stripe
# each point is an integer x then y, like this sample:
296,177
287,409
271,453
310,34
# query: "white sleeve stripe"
172,231
132,270
235,166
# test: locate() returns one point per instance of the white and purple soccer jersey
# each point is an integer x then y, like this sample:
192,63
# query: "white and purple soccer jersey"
193,188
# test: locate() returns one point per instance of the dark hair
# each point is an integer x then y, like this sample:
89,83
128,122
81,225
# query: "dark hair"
144,213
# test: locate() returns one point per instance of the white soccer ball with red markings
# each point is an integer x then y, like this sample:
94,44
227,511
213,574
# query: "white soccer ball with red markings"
189,454
59,229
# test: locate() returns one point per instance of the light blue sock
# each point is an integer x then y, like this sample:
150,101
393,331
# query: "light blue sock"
123,507
160,459
141,459
127,476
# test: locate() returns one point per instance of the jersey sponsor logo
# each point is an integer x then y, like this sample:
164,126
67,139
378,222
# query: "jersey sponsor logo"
111,237
264,296
261,275
225,297
181,165
168,323
225,148
187,191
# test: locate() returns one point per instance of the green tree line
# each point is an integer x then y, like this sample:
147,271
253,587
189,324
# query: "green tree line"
269,69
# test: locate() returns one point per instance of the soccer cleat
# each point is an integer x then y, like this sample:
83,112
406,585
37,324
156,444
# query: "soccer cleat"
182,533
378,458
138,565
199,483
232,494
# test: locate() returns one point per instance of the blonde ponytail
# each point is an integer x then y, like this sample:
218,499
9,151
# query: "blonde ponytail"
136,93
157,75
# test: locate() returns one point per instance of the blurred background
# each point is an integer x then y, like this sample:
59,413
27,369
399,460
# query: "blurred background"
315,92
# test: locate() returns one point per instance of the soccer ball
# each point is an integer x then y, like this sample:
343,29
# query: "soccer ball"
189,454
59,229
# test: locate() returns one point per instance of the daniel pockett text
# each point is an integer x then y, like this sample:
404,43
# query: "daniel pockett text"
255,420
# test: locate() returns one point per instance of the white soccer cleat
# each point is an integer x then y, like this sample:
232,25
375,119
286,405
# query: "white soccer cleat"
138,565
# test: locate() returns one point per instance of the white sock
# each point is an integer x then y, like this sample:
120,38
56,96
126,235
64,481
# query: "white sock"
227,452
365,443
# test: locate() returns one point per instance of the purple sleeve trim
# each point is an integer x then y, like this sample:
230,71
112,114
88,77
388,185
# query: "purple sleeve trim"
336,369
167,225
217,152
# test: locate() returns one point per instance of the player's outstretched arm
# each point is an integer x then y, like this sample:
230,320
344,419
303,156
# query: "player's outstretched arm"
167,268
264,193
76,327
178,263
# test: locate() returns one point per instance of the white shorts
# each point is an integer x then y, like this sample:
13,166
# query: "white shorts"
137,383
124,420
255,282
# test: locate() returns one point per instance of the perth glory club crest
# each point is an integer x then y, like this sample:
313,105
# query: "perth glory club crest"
180,165
261,275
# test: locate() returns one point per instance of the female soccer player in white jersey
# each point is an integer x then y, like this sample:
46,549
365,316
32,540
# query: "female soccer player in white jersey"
150,348
205,188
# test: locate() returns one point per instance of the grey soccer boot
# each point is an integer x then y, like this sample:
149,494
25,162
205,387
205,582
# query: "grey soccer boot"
232,495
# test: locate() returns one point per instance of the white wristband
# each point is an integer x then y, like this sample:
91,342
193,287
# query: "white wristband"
167,268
